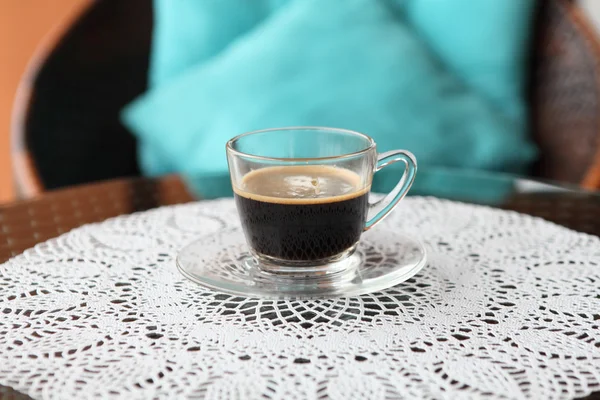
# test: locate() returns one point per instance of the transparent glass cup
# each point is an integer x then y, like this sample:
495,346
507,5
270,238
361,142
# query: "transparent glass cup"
302,194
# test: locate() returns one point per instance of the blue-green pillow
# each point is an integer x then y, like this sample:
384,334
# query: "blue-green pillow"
484,42
356,64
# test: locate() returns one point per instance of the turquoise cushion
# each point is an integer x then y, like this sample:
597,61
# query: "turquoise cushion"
186,33
189,32
484,42
386,69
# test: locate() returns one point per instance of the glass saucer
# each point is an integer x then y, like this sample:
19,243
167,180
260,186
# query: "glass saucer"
222,262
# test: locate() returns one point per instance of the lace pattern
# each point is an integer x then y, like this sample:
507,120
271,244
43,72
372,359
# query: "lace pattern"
507,307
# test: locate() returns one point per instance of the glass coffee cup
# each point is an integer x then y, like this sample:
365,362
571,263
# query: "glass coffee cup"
302,194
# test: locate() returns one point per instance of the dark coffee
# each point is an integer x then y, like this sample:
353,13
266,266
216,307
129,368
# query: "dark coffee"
302,213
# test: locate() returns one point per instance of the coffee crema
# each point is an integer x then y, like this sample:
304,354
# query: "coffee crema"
302,213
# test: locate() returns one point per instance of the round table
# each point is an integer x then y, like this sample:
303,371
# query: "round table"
26,223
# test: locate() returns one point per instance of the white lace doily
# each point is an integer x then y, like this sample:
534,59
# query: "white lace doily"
507,307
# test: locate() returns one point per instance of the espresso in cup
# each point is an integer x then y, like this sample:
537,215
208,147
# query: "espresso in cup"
302,213
302,196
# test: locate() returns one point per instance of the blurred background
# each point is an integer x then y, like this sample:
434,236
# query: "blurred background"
25,25
592,8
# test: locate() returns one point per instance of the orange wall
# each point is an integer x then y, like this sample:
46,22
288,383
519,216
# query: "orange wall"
23,23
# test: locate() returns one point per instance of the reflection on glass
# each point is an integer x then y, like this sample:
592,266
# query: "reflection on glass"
209,186
461,185
470,186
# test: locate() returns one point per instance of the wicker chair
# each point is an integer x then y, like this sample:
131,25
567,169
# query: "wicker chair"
565,95
97,62
65,128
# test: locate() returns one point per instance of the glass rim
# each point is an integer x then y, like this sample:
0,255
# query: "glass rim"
230,143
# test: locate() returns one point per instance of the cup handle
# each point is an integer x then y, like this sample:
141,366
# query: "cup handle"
381,208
